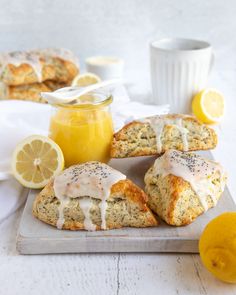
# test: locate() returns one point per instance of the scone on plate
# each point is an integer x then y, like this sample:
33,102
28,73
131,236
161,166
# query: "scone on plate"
93,196
181,186
157,134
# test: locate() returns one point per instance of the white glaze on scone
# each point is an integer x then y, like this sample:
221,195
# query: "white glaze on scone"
158,123
90,180
32,58
18,58
192,168
157,134
62,53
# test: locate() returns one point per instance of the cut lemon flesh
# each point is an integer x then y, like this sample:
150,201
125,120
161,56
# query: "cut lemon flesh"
209,106
36,160
85,80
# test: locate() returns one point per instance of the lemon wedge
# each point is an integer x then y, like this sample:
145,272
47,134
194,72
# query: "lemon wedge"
35,160
85,80
217,247
209,106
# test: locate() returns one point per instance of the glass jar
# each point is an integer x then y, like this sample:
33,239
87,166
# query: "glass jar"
83,131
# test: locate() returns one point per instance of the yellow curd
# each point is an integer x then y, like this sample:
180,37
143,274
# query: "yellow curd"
83,133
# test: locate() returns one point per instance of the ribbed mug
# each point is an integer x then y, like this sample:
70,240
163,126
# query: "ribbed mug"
179,69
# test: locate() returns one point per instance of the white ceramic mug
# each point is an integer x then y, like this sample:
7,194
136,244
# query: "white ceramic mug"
179,69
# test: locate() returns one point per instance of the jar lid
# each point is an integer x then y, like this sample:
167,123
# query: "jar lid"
91,100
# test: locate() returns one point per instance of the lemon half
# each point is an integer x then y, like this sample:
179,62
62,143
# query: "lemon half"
209,106
35,160
85,80
217,247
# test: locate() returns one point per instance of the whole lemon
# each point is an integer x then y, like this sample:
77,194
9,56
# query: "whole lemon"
217,247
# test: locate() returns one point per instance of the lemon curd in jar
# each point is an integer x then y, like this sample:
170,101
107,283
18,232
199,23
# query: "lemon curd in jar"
83,132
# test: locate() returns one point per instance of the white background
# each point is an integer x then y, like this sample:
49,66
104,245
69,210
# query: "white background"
119,27
123,28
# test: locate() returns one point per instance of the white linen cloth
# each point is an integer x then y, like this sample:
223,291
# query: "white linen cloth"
19,119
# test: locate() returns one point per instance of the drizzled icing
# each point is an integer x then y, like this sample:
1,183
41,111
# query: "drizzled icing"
62,53
85,205
18,58
194,169
32,58
158,124
85,181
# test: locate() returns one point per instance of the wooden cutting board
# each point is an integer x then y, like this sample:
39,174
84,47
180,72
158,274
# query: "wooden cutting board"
36,237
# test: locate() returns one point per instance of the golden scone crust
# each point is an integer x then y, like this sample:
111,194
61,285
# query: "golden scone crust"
54,85
139,139
29,92
173,199
126,207
52,66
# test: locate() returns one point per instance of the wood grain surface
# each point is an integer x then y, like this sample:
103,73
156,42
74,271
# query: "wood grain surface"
106,274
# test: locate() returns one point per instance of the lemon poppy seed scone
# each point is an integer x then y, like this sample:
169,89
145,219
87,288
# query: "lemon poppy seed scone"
29,92
154,135
36,66
181,186
93,196
25,74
